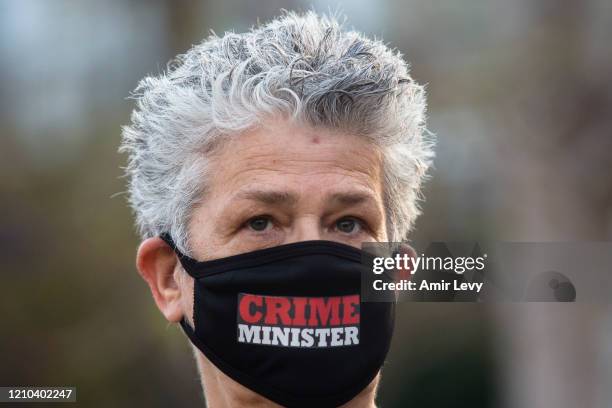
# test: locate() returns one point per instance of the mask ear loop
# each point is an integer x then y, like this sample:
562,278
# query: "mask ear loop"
187,262
189,331
168,240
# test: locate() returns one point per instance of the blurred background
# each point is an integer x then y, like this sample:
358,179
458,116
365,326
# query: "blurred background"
520,97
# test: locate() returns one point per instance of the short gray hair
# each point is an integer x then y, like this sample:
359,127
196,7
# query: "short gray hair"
306,67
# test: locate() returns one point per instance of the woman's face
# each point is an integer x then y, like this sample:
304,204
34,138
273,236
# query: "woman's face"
275,185
283,183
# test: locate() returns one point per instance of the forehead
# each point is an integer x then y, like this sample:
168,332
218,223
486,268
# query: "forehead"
280,154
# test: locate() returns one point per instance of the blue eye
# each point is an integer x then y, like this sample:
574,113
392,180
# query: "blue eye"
259,223
348,225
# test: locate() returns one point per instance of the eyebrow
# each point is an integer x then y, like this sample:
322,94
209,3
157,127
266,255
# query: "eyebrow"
269,197
284,198
350,198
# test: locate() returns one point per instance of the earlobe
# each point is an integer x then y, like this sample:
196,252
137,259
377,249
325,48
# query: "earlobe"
156,263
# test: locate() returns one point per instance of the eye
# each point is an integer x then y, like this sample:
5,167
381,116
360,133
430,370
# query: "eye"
348,225
259,224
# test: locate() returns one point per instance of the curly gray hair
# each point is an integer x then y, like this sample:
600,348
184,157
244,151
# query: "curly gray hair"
306,67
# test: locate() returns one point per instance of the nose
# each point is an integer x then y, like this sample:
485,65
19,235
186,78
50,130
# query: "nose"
305,228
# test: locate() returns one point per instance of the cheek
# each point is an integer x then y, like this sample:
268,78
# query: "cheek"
207,238
199,229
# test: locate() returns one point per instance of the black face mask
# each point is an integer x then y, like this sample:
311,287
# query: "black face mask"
287,323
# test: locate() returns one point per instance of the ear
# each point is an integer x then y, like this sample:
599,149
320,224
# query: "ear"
157,264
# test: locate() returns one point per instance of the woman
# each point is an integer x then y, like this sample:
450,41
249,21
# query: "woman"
258,165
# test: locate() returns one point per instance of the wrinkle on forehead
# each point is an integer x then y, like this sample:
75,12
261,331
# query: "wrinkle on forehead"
283,149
